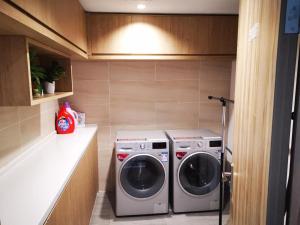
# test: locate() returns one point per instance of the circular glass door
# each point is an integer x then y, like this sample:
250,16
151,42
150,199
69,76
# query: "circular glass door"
142,176
199,174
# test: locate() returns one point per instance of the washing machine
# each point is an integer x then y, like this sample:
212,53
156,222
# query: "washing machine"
142,173
195,170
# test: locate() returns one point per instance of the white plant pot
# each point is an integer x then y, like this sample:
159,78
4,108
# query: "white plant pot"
49,87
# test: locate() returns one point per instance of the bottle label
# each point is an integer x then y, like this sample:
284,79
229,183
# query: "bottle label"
63,124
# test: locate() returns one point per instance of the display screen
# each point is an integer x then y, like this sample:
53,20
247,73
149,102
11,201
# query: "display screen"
159,145
215,143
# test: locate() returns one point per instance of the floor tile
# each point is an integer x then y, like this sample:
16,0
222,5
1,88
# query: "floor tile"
103,215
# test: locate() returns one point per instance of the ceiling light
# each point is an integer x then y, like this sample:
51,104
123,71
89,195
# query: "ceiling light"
141,6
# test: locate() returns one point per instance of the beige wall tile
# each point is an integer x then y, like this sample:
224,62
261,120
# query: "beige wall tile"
177,91
8,116
26,112
30,129
132,91
210,112
132,113
133,70
49,106
213,126
91,92
105,143
84,70
10,140
95,114
106,171
177,70
214,88
47,123
215,70
104,134
177,115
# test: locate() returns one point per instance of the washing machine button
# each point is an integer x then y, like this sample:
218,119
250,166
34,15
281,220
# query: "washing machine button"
142,146
200,144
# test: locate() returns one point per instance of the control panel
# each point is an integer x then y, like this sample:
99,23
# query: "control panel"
210,146
142,146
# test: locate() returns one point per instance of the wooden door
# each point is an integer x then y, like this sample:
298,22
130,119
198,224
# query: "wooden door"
254,96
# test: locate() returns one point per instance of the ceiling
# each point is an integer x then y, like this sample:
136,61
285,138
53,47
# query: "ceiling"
163,6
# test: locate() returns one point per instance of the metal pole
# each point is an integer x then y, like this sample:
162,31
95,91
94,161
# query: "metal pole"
223,152
222,167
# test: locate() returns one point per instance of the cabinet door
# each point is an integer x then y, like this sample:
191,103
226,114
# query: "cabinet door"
111,34
66,17
76,203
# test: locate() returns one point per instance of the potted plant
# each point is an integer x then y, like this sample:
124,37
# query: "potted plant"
37,74
53,73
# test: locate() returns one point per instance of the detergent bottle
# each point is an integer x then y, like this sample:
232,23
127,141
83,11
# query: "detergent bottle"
72,112
65,121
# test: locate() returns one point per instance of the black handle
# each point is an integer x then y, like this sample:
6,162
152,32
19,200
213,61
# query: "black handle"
221,99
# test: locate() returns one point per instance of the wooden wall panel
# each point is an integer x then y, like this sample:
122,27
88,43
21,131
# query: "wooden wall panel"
76,203
254,96
66,17
162,34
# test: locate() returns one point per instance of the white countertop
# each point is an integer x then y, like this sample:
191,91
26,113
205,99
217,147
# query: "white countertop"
30,187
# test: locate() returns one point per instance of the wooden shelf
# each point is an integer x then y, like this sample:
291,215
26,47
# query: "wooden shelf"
15,76
50,97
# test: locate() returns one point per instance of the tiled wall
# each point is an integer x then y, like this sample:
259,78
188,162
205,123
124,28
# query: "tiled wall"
21,127
147,95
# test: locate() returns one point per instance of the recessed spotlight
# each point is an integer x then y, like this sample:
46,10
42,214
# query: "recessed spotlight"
141,6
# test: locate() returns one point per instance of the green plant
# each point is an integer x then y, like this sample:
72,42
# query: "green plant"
37,72
54,72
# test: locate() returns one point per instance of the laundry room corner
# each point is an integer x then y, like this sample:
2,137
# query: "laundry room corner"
147,95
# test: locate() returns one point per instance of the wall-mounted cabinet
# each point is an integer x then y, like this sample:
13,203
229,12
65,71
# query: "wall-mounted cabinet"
66,17
60,24
164,35
15,76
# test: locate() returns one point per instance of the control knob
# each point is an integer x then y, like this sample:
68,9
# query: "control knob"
200,144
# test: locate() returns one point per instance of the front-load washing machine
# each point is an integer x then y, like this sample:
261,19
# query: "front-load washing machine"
142,173
195,170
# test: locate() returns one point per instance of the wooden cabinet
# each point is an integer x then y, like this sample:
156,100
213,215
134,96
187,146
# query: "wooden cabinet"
15,76
76,203
65,17
126,34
